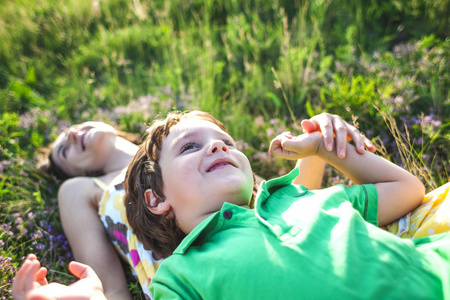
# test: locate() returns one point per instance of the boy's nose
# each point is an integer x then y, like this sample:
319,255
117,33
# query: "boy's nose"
218,146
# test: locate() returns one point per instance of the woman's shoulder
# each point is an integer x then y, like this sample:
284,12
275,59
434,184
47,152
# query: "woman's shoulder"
80,184
77,185
80,188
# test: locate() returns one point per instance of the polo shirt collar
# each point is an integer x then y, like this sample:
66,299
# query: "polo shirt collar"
193,235
267,187
201,228
264,188
283,180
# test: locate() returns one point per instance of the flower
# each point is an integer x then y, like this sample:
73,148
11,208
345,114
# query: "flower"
40,247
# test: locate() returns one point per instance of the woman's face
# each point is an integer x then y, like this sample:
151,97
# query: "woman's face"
84,148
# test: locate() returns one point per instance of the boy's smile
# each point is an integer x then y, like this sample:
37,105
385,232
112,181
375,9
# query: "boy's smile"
221,163
202,169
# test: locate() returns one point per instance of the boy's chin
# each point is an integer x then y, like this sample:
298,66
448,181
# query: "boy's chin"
236,201
240,197
234,189
234,179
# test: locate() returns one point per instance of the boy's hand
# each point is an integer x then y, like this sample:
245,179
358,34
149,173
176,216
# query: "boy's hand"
333,127
30,283
292,147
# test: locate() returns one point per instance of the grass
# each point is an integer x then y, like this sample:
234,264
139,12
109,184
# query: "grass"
260,66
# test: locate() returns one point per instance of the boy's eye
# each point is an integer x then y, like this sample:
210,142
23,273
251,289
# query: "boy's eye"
189,146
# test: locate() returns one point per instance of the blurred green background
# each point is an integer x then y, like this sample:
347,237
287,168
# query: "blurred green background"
260,66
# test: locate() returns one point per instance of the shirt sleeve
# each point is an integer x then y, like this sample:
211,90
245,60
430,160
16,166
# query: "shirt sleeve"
170,281
162,291
364,199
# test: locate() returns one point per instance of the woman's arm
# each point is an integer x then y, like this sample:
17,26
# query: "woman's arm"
78,204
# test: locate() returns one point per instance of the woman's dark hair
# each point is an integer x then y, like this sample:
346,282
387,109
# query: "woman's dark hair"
53,169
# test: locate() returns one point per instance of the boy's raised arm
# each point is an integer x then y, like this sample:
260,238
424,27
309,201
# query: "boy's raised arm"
336,132
399,191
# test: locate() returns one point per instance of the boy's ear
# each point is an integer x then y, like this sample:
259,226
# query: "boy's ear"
154,204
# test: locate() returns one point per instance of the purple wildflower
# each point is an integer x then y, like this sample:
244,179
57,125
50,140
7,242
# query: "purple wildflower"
40,247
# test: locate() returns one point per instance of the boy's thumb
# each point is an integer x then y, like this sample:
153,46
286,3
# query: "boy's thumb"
308,126
81,270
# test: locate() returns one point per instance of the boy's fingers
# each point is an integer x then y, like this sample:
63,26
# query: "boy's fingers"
288,145
277,147
326,127
308,126
361,142
324,123
369,145
286,134
340,131
356,136
274,145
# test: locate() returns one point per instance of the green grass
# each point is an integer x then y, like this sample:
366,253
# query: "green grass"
260,66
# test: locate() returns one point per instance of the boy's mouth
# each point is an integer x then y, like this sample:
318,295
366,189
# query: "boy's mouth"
220,163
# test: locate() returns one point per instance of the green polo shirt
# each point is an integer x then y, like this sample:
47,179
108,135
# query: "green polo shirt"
297,244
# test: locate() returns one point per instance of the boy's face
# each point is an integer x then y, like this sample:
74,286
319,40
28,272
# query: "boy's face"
202,169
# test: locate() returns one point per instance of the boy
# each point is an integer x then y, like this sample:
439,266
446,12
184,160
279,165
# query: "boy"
189,180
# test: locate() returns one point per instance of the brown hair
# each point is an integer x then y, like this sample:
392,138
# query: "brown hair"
52,169
158,233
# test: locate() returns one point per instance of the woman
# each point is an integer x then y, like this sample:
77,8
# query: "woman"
84,149
88,204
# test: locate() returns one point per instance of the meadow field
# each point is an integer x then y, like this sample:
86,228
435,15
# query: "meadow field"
259,66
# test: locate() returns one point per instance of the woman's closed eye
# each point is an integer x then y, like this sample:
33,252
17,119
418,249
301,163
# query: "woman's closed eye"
64,151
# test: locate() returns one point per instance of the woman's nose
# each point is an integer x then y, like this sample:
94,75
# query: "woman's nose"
72,136
217,146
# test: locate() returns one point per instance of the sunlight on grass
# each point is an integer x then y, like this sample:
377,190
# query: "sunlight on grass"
259,66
